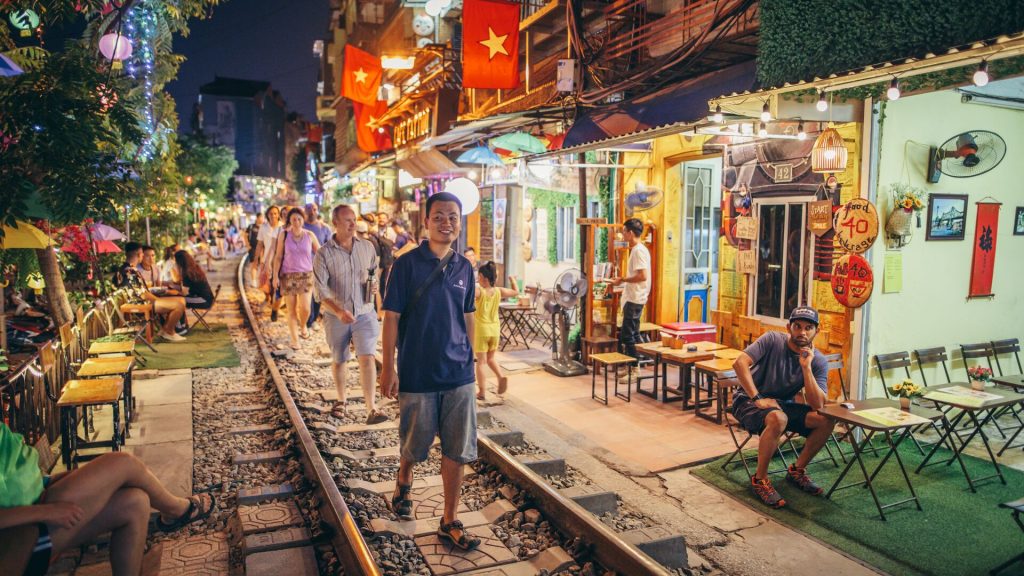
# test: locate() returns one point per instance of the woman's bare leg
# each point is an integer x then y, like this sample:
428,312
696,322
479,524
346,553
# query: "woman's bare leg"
302,310
481,376
126,517
293,327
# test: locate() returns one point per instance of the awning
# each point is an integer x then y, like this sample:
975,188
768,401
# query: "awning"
483,128
424,163
657,114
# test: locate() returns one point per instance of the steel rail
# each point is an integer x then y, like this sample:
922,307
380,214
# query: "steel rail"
348,541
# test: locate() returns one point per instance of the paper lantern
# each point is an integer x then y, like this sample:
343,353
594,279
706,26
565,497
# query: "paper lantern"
829,154
24,20
35,282
116,48
467,193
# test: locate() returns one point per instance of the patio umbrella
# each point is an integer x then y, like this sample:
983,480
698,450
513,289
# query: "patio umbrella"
23,235
98,246
8,67
519,142
480,155
100,231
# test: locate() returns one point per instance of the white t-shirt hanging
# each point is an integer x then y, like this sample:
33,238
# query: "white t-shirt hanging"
637,292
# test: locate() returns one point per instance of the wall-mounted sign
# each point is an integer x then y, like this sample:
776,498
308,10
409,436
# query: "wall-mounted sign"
746,228
819,217
983,263
585,221
852,281
746,262
413,127
856,225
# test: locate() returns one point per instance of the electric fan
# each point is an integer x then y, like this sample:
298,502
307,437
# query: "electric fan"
643,198
569,288
967,154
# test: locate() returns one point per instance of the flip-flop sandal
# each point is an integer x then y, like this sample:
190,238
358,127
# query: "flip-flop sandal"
339,409
305,336
199,508
466,541
401,505
481,397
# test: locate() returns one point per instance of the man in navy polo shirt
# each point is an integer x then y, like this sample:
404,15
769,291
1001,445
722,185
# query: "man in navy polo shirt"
772,371
433,336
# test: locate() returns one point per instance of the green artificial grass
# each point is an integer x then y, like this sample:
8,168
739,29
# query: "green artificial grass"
202,349
957,533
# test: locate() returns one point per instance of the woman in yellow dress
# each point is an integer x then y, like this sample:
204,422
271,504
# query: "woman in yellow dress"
488,327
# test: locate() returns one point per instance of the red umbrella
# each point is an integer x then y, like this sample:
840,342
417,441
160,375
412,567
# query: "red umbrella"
99,246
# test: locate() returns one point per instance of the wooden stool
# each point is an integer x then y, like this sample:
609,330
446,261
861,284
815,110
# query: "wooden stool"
86,394
713,373
615,360
597,345
122,347
649,332
119,367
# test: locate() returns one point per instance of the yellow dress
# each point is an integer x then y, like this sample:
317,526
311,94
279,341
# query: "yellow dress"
488,326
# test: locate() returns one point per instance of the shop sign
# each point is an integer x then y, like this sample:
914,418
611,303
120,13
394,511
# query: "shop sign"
852,280
746,228
819,220
856,225
746,262
412,128
591,221
983,263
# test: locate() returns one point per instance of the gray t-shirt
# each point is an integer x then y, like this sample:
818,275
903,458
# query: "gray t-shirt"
776,370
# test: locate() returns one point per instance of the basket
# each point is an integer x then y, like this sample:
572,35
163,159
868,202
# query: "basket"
677,343
666,341
899,222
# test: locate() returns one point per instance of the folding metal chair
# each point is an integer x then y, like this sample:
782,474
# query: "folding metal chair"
1017,506
200,313
972,351
1008,346
935,355
895,361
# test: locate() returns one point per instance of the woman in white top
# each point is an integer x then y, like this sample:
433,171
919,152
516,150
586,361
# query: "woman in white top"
169,269
265,246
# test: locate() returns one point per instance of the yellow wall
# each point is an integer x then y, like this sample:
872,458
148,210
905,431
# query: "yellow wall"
932,309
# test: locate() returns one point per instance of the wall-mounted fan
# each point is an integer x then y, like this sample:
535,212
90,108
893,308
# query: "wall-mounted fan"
642,198
967,154
570,286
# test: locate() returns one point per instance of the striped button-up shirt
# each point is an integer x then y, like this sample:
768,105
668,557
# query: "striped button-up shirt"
341,274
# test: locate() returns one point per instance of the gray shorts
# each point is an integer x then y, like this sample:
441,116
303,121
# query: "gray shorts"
450,414
363,332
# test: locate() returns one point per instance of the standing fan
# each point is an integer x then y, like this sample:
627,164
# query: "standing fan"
964,155
569,288
642,198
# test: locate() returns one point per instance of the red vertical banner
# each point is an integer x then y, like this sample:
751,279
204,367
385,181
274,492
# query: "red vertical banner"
984,262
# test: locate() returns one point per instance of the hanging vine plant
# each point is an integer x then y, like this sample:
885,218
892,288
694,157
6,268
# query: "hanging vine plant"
550,201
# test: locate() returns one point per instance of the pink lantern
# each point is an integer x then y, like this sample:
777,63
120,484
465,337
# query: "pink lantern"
116,48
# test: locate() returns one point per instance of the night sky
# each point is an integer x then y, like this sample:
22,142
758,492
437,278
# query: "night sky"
255,40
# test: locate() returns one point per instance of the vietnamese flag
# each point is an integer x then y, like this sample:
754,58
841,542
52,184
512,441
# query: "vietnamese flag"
369,138
360,80
490,44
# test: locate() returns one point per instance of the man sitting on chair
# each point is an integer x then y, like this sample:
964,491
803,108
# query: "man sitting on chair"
772,372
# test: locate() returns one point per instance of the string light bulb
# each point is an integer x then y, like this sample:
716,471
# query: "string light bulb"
800,133
762,129
981,76
717,116
822,104
893,93
766,113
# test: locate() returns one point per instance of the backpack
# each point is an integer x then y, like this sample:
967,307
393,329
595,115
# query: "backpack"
385,250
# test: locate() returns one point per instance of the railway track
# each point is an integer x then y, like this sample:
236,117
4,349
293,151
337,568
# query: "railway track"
535,515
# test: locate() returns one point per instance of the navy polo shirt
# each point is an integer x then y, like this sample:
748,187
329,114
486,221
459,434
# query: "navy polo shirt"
434,353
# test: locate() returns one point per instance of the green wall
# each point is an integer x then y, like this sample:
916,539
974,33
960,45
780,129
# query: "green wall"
932,309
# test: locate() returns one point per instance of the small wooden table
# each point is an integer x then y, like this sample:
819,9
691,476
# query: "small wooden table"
980,413
852,419
121,367
683,359
82,394
728,354
712,372
613,359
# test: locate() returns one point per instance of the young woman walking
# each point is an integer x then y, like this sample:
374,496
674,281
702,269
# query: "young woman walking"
293,272
488,328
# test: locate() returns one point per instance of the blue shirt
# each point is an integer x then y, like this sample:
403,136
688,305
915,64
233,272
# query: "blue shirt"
321,232
776,370
434,352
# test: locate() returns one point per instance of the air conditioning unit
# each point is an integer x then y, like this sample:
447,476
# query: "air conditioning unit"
568,74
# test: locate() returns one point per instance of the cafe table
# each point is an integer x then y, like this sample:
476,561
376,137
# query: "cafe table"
652,350
980,407
879,416
684,360
714,377
514,325
1015,381
728,354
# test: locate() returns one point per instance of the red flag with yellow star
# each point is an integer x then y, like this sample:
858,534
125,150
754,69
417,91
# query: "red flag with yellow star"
490,44
368,137
360,80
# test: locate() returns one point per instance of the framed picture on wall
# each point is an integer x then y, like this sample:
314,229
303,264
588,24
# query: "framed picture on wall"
1018,221
947,214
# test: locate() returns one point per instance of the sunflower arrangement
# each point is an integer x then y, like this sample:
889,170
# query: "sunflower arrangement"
907,197
906,389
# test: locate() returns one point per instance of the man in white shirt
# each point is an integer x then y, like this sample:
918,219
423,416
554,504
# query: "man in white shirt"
638,286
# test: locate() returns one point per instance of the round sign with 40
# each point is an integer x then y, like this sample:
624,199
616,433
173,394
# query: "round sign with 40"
856,225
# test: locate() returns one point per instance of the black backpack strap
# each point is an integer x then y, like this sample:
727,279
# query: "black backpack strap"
421,290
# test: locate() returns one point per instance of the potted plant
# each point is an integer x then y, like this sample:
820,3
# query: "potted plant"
4,364
905,390
979,375
906,200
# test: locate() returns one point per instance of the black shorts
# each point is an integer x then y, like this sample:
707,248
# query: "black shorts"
752,418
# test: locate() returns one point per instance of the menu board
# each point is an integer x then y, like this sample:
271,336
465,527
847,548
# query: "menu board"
485,250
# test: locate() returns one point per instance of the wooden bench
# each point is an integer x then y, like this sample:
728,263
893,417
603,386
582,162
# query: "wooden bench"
84,394
613,359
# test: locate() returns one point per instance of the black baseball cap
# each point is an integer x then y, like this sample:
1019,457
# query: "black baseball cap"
804,313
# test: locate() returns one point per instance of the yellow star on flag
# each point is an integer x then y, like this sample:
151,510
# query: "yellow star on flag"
360,75
495,44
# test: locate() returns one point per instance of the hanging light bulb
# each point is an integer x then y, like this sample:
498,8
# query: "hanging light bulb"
717,116
822,104
762,129
800,134
433,7
766,113
981,77
472,174
893,93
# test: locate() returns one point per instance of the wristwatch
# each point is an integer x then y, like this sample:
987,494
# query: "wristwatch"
757,397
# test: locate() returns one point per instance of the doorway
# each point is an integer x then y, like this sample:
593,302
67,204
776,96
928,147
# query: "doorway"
700,219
